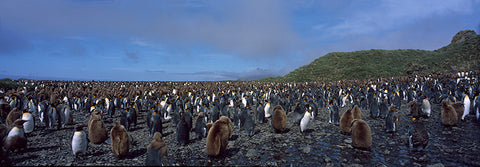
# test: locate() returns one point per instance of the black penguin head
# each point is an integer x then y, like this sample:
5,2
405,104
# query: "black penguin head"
78,127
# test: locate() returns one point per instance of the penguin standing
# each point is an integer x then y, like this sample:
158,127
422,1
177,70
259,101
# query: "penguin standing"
391,122
383,107
249,125
182,130
305,120
13,116
466,106
476,106
120,140
267,110
155,123
279,119
260,115
16,139
346,121
357,113
426,107
334,115
68,116
29,124
374,109
418,137
156,151
218,135
200,126
449,115
361,134
97,133
79,141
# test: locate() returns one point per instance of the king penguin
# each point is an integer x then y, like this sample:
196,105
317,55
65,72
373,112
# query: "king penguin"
260,115
449,115
16,139
357,113
155,123
97,133
249,125
346,122
200,126
156,151
361,134
217,139
279,119
418,137
334,114
466,106
305,120
426,107
120,140
79,141
391,122
267,110
29,124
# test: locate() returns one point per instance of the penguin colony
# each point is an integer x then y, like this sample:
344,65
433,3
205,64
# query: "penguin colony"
212,110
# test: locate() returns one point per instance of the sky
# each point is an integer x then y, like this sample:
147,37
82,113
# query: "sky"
210,40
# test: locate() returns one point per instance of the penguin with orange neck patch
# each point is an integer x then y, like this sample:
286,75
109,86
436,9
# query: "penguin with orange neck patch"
155,120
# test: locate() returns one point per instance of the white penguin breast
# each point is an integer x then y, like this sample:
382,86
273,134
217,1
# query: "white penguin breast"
304,121
267,109
15,132
79,142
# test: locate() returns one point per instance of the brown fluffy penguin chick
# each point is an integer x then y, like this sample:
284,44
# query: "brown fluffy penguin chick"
279,119
156,151
217,139
97,133
120,140
4,110
449,115
12,116
16,139
413,108
346,121
209,125
357,113
459,109
361,134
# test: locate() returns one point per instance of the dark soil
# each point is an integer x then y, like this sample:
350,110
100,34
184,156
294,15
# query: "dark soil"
322,144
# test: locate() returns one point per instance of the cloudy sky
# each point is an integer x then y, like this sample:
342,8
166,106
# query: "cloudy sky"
209,40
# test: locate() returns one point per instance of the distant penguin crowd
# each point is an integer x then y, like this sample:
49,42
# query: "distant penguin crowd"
212,110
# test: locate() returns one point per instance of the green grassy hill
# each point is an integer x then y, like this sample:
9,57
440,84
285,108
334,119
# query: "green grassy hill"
463,54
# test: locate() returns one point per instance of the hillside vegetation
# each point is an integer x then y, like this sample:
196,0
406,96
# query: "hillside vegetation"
463,54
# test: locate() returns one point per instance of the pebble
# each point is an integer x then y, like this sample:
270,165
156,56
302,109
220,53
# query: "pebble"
307,149
436,165
348,141
327,159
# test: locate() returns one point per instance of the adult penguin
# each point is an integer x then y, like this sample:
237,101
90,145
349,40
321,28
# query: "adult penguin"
249,125
426,107
391,122
29,124
79,141
374,109
182,129
466,104
334,114
155,123
383,107
305,121
260,114
200,126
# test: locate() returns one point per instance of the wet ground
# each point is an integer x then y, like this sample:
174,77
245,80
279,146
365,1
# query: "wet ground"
322,144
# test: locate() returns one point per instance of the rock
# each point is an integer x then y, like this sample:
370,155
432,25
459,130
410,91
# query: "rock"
416,164
348,141
307,149
354,165
436,165
423,158
251,153
327,159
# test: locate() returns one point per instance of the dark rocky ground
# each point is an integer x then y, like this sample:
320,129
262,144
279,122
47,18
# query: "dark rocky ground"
322,144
